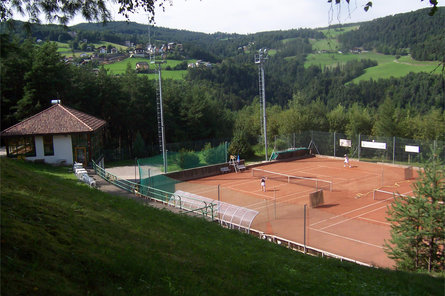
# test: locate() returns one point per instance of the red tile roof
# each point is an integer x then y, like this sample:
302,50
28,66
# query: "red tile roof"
57,119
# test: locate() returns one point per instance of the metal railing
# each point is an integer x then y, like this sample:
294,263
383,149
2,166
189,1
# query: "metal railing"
206,210
303,248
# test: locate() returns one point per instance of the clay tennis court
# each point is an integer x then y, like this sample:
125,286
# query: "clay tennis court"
351,222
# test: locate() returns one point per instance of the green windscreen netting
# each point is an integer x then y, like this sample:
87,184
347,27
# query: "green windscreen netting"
150,168
289,153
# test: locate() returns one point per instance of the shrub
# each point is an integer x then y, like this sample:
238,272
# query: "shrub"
240,145
187,159
214,155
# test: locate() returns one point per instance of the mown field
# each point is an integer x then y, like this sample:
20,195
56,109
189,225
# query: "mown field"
65,50
399,68
330,43
60,237
120,67
388,65
334,59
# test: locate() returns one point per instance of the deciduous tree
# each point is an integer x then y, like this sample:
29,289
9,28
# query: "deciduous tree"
368,4
61,11
360,121
337,119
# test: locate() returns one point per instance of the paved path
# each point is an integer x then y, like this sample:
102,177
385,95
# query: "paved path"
132,172
107,187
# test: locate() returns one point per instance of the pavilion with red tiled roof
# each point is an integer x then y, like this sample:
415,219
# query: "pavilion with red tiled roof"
58,134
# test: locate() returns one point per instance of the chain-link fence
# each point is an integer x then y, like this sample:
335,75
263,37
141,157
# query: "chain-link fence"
362,147
183,158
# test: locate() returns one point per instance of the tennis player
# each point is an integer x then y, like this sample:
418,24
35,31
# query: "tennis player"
346,162
263,184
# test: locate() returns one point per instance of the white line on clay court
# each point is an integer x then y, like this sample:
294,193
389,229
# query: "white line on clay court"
375,221
358,209
347,238
352,218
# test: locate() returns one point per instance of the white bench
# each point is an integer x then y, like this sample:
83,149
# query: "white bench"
80,171
241,167
82,174
224,170
87,179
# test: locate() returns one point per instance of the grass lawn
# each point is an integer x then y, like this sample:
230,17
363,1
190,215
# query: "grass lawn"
175,75
335,32
120,68
60,237
328,44
63,47
65,50
388,66
399,68
106,43
334,59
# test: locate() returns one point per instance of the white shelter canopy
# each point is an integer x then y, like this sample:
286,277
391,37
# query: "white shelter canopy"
228,214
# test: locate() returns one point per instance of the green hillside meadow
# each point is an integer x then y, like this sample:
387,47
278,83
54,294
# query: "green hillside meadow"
121,67
60,237
65,50
399,68
388,66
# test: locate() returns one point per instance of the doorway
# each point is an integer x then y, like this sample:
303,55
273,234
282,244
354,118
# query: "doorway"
80,155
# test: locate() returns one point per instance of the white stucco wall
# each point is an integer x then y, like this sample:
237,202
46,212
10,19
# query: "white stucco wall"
63,150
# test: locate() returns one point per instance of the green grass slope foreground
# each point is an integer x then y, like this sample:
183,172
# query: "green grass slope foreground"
59,237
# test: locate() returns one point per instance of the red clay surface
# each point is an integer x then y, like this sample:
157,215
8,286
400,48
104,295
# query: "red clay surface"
350,223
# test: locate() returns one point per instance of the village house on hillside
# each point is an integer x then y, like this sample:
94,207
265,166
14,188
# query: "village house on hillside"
150,49
142,67
102,49
199,64
139,51
57,135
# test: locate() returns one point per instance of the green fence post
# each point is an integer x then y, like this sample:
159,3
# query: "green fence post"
219,206
393,149
334,144
304,227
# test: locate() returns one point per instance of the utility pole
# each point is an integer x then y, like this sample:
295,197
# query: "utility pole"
260,59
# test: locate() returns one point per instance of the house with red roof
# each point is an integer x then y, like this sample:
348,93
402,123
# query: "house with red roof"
56,135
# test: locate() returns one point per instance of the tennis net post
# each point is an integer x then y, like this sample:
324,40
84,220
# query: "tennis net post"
378,194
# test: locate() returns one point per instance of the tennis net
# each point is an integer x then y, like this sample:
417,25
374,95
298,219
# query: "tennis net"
303,181
379,194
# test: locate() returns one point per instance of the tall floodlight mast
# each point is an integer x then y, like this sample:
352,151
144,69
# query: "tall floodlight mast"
260,58
161,127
